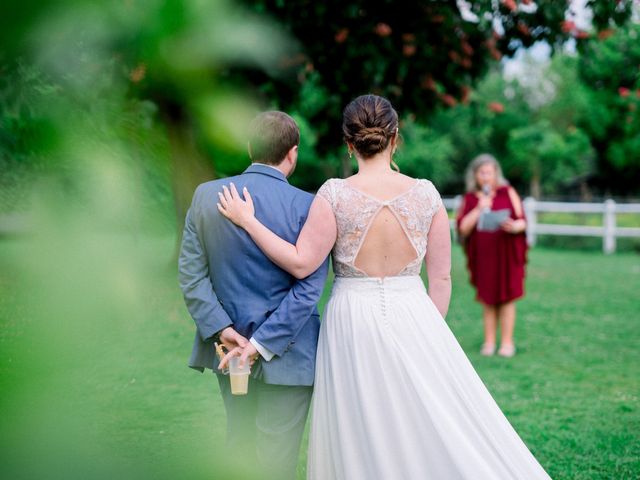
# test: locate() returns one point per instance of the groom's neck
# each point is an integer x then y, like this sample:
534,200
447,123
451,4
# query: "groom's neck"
277,167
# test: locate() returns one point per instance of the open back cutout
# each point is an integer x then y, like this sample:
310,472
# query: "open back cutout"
385,248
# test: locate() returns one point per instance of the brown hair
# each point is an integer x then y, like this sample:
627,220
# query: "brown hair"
369,123
271,135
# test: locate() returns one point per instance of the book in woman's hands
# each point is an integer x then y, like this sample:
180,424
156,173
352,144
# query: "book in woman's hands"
490,221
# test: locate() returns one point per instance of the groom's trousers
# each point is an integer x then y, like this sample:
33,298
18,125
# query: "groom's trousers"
265,427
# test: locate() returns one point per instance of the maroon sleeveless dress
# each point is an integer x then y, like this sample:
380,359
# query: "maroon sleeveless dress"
496,260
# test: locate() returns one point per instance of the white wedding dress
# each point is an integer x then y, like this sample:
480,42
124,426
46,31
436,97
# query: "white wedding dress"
395,396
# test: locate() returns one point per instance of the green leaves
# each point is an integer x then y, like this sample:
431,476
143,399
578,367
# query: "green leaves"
610,73
548,158
424,153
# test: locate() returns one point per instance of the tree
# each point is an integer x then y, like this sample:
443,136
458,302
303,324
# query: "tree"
545,157
419,54
528,123
610,72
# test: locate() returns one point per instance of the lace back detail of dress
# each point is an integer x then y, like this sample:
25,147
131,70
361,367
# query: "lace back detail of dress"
356,211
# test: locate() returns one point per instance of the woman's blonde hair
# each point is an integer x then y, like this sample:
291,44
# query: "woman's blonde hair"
476,163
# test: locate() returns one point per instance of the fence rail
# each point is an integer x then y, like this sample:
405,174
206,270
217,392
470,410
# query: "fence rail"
609,231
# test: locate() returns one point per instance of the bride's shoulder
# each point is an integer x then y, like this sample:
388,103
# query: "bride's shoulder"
330,188
426,184
408,180
331,184
334,181
430,192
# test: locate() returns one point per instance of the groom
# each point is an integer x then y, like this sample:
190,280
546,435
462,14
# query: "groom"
239,298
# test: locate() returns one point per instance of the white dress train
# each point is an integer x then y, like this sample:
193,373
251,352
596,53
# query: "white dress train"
403,401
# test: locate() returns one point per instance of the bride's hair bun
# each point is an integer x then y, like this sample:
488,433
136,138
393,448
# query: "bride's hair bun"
369,124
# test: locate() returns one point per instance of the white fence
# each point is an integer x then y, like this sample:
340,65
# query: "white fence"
609,231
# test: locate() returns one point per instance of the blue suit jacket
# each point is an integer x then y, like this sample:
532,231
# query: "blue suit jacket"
227,280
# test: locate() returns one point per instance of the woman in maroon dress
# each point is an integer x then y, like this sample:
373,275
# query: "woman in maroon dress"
496,259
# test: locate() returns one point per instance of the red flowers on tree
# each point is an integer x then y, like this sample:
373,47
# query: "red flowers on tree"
409,49
495,107
342,35
523,29
604,34
382,30
448,100
428,83
623,92
510,4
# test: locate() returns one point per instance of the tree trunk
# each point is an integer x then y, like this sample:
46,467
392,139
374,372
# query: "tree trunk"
585,191
189,168
534,185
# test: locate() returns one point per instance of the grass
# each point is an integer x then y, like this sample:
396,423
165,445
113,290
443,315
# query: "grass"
571,392
116,380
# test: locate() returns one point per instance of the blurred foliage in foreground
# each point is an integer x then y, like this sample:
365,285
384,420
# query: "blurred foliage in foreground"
100,157
138,81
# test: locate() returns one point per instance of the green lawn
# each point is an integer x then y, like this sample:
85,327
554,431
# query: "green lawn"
94,380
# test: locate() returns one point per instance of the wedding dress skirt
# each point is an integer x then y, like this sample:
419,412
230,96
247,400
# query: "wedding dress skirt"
396,397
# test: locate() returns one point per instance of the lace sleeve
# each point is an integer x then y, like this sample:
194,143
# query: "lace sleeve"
327,191
434,198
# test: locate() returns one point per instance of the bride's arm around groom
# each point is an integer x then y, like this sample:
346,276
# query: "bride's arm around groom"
319,235
438,261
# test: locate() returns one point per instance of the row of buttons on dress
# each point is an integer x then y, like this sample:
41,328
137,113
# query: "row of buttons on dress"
383,298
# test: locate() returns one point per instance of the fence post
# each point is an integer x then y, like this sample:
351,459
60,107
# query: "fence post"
530,213
457,200
609,222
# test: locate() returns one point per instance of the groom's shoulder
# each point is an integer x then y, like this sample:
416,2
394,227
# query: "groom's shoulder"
302,194
213,186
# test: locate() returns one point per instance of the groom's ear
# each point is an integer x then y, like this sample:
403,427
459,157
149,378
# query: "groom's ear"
292,154
249,150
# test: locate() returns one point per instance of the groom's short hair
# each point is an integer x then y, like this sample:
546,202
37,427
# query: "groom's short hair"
271,135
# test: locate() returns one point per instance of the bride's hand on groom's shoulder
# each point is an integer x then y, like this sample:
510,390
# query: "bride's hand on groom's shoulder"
233,207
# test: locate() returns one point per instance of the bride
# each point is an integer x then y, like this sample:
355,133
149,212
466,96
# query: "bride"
395,396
